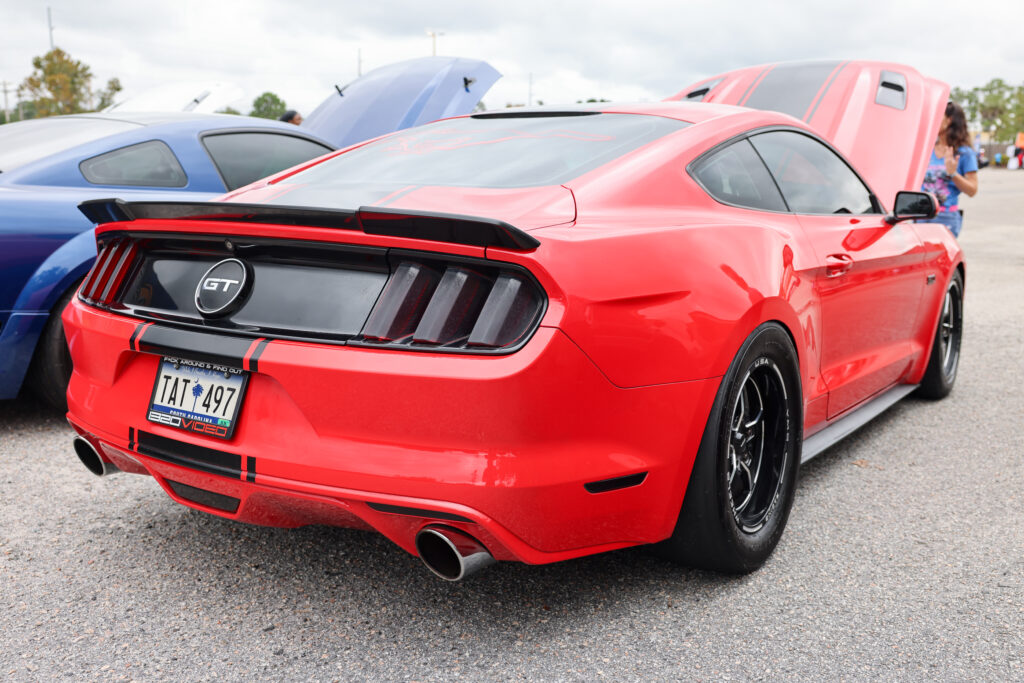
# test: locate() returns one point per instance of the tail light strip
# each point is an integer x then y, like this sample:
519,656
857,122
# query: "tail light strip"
112,265
455,307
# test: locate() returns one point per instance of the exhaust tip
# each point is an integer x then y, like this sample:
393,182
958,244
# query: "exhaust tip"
91,459
451,554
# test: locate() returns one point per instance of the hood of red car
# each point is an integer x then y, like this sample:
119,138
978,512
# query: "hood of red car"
883,117
401,95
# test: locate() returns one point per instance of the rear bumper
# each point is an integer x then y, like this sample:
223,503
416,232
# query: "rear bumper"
498,446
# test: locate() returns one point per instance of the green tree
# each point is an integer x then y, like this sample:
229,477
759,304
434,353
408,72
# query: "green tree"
268,106
106,96
58,84
228,110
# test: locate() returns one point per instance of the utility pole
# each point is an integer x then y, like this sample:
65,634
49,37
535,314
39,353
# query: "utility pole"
7,113
529,96
359,61
433,36
49,20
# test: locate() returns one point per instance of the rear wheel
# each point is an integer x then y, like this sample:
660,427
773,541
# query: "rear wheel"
741,488
944,360
50,371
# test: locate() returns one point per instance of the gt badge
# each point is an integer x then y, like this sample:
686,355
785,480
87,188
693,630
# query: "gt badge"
223,288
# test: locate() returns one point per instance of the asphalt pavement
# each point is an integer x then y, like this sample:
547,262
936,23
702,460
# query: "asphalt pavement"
903,560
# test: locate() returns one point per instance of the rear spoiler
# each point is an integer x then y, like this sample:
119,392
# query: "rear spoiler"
436,227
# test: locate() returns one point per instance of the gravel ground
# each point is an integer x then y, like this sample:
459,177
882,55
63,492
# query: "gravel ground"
903,559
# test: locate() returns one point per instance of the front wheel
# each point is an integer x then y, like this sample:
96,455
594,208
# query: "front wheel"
741,488
944,360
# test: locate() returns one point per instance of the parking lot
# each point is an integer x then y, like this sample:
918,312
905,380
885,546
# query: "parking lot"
903,558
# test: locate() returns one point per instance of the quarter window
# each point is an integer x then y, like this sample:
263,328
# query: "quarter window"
735,175
149,164
813,179
243,158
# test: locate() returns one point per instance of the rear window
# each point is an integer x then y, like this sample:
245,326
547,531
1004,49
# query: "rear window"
23,142
151,164
485,151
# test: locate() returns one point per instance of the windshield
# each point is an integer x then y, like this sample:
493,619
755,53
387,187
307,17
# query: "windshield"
26,141
488,151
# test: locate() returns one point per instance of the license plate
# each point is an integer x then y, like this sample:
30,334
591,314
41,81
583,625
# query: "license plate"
197,396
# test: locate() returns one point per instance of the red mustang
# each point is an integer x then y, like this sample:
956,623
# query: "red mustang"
535,334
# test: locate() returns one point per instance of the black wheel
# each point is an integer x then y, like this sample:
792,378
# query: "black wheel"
944,360
741,488
50,371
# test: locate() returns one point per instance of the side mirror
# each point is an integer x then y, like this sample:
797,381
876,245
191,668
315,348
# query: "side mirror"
912,205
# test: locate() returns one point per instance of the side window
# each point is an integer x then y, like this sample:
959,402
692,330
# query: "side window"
243,158
735,175
151,164
813,179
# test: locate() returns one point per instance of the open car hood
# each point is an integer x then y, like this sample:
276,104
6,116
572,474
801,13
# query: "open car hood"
195,96
401,95
883,117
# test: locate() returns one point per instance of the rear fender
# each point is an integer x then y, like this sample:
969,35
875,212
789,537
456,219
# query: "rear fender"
59,271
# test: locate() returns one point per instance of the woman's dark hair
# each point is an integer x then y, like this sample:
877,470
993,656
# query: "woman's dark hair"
290,114
956,132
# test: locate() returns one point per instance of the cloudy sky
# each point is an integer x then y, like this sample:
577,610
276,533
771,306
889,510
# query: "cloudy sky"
626,50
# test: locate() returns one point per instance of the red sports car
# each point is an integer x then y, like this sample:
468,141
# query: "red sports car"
534,334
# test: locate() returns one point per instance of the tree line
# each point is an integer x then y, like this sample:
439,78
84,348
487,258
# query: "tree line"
60,84
996,108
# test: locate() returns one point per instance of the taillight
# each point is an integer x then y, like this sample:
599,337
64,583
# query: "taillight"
113,263
454,306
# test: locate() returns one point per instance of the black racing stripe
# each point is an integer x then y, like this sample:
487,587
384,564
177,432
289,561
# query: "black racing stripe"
825,92
754,82
616,483
254,360
250,468
217,501
135,334
188,455
417,512
790,88
214,348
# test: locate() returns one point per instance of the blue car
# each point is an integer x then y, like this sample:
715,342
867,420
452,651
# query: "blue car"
49,166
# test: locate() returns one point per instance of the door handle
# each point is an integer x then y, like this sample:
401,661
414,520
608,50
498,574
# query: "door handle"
837,264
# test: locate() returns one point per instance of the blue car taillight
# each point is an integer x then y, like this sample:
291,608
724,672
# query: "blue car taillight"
457,306
113,263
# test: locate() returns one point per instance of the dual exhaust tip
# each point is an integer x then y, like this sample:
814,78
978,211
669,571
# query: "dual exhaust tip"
449,553
91,458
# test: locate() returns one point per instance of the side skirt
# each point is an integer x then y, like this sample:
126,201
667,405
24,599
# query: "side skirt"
848,424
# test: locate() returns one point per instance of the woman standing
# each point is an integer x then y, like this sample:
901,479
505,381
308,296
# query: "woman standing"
952,169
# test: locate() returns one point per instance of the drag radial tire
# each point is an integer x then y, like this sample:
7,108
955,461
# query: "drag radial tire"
741,488
50,371
945,356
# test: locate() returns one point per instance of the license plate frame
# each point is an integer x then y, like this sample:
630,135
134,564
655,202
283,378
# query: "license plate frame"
189,420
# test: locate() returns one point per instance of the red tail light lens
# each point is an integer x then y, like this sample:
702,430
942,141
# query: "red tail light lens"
114,261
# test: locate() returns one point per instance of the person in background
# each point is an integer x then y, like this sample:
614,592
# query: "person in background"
291,116
952,169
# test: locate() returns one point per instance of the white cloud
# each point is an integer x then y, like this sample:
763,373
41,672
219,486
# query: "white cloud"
644,49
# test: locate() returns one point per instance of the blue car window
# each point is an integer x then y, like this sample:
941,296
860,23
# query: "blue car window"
243,158
150,164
